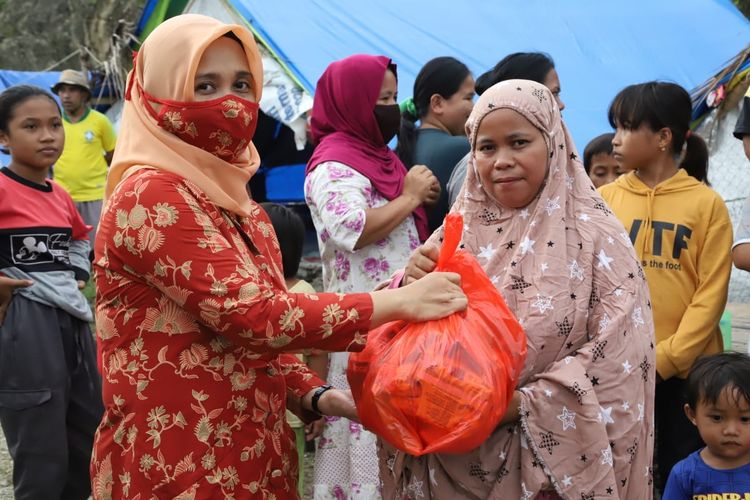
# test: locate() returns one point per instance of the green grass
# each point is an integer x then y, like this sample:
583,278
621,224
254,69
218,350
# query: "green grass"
89,291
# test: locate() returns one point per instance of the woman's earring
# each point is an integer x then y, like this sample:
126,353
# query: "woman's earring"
663,148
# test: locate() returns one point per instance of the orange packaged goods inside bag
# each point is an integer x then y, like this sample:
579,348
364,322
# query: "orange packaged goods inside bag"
442,386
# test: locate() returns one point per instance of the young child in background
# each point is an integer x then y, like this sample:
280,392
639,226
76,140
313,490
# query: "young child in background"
290,232
598,161
718,390
682,233
50,392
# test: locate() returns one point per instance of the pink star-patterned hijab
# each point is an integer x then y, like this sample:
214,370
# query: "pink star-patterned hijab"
568,271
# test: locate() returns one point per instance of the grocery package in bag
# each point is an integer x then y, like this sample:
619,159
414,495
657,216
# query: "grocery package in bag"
442,386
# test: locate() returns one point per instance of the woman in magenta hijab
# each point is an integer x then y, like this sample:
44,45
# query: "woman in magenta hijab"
369,216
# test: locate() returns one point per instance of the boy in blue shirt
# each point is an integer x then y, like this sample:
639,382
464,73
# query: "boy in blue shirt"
719,405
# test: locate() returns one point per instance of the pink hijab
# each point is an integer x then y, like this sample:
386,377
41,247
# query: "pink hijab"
568,271
345,129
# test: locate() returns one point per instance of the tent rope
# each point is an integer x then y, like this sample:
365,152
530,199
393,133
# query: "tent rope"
114,74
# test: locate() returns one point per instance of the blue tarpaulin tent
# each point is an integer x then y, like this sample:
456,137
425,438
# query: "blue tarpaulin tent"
44,79
599,47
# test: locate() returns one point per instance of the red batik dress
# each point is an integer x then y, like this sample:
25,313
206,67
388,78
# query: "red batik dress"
192,317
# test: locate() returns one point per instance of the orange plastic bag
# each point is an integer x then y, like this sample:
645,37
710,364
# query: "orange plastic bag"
442,386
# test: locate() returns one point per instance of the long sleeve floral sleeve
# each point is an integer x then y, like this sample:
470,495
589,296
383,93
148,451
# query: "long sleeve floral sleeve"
192,318
222,274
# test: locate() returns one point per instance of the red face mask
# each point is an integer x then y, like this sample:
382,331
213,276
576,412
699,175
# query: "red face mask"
223,127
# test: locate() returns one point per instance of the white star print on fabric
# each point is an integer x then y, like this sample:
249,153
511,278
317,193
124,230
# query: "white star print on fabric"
625,237
416,487
527,245
543,267
640,411
603,323
552,205
604,260
626,366
532,223
568,359
637,317
605,414
486,252
548,393
567,480
607,456
525,494
524,214
618,292
568,419
625,406
610,240
495,280
543,303
502,456
568,182
575,270
584,217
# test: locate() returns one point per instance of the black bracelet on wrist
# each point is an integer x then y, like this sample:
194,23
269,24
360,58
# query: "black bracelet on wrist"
316,397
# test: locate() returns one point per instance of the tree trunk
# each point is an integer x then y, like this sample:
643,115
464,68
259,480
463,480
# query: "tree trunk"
43,32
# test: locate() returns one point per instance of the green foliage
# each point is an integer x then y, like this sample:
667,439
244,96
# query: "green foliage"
743,6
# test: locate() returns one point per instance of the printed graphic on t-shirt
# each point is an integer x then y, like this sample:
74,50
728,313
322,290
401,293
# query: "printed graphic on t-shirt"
35,249
89,136
722,496
664,255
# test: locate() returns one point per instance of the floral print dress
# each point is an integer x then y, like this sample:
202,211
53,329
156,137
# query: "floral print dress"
346,460
192,317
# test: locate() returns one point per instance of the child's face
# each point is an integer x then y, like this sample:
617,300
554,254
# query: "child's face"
511,158
636,148
725,428
223,70
35,133
604,169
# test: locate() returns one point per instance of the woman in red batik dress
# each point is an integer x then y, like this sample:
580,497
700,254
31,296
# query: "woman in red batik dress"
192,312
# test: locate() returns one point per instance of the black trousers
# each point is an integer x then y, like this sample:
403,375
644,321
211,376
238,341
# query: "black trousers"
50,400
676,436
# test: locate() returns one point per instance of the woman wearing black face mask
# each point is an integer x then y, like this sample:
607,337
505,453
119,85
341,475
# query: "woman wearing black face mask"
368,215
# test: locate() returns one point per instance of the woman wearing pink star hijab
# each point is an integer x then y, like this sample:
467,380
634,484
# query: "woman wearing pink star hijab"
580,422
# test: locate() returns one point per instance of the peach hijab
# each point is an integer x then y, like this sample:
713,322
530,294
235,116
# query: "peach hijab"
165,67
